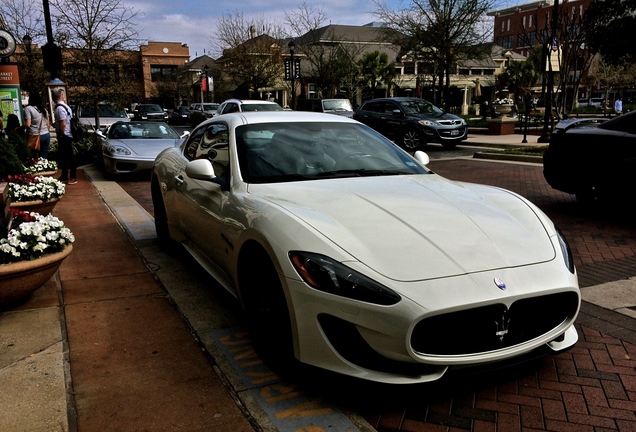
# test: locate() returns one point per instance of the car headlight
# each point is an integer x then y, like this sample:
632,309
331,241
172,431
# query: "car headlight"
117,150
567,253
428,123
325,274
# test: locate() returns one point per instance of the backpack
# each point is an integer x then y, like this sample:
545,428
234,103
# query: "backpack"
76,127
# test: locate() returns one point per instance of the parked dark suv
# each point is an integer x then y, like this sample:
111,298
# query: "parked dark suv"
150,112
412,122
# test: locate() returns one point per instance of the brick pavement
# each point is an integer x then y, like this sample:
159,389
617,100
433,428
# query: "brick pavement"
592,387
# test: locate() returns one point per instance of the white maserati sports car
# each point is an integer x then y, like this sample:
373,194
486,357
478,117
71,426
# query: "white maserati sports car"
348,254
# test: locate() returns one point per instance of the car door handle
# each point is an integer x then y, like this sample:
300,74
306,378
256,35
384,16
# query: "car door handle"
178,180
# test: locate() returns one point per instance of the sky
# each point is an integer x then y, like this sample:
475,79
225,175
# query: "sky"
193,22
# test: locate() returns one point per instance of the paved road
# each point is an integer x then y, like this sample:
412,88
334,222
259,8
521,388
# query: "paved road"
592,387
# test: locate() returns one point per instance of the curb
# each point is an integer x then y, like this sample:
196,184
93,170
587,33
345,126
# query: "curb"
509,157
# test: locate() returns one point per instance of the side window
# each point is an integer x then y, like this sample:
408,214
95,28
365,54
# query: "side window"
230,108
212,143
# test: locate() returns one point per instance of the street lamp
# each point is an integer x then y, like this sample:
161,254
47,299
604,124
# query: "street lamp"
292,47
207,83
26,41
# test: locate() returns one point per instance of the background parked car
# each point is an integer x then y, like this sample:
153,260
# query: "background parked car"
593,158
202,111
333,106
108,114
412,122
132,146
591,102
150,112
180,115
239,105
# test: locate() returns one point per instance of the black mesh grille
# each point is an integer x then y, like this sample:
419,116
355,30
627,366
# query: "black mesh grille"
492,327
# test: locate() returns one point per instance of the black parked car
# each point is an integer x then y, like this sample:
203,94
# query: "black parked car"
592,158
150,112
180,115
412,122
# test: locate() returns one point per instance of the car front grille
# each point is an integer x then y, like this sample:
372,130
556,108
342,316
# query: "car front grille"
450,122
492,327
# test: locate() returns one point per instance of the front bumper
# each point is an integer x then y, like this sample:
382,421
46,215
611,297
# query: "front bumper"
120,165
377,343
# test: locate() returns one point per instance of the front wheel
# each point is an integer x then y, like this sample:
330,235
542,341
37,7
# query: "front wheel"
161,216
266,308
412,139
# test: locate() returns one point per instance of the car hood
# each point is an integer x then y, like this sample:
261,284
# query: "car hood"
436,117
410,228
146,148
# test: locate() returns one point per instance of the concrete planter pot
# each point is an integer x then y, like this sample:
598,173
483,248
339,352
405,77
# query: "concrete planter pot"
503,109
21,279
38,206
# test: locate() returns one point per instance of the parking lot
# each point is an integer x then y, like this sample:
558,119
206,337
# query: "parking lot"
592,387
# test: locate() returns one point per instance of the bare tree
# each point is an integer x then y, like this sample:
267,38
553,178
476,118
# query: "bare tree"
329,53
24,17
25,21
439,32
251,51
100,39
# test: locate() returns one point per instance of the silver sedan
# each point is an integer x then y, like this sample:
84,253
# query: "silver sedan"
130,147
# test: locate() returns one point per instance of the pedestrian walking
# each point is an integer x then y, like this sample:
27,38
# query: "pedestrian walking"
65,156
36,119
618,106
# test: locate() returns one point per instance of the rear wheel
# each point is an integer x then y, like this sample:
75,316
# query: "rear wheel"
412,139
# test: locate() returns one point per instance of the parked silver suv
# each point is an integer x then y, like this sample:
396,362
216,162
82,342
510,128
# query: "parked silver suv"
240,105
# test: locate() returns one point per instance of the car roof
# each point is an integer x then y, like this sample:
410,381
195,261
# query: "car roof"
255,117
251,101
397,99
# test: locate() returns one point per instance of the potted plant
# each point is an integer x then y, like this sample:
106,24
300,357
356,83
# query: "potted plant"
34,193
41,167
503,105
30,254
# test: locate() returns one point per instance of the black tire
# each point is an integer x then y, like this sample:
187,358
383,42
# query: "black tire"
161,216
266,309
412,139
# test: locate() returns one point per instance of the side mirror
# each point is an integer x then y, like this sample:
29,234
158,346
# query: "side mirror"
184,135
100,134
200,169
397,112
422,157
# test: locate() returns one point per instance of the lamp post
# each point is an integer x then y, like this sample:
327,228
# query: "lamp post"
207,83
292,47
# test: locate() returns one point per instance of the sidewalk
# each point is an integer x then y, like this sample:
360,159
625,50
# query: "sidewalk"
135,363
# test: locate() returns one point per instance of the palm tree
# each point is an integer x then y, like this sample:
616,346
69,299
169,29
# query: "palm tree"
376,69
518,77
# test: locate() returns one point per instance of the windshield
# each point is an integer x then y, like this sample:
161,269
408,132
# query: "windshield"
419,107
337,105
261,107
280,152
150,108
104,111
142,130
210,107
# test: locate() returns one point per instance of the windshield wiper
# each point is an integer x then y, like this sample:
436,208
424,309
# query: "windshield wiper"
358,173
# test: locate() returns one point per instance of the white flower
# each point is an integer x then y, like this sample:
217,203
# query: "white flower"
30,240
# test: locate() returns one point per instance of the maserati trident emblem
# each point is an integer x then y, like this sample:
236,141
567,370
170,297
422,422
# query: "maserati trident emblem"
500,284
502,325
